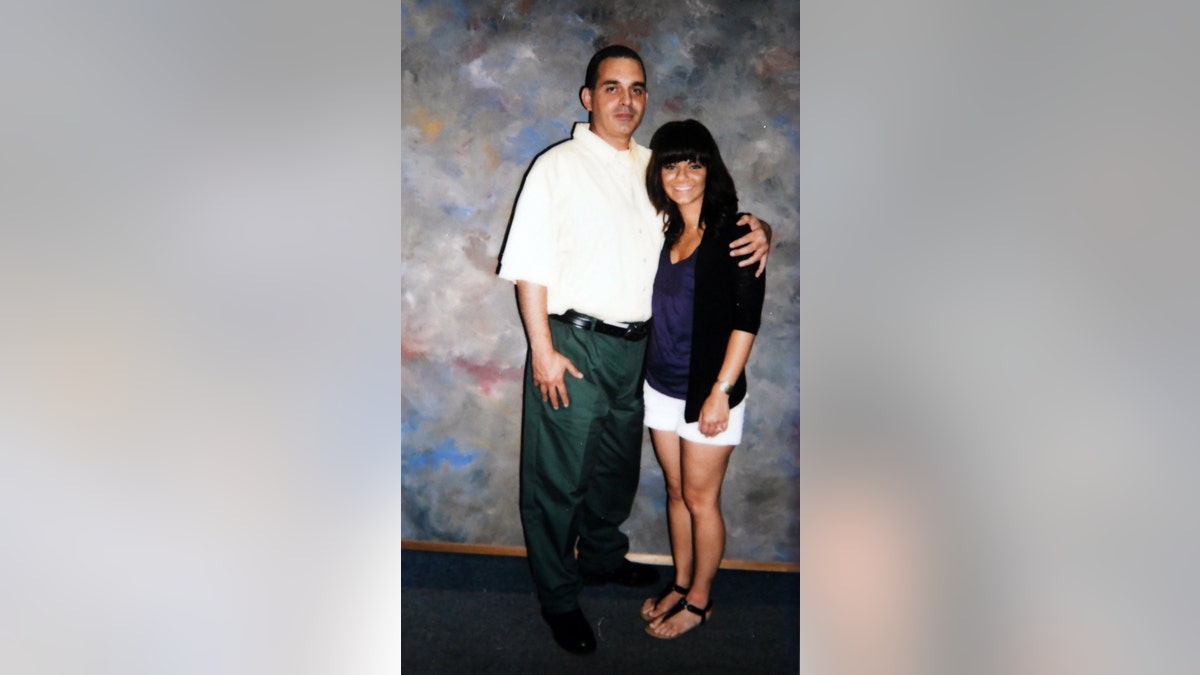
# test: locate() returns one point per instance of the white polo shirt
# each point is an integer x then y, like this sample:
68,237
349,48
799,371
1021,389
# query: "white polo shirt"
584,228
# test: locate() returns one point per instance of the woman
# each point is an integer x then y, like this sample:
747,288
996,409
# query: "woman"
706,312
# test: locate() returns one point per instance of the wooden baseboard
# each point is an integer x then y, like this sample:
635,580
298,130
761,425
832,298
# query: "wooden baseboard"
645,558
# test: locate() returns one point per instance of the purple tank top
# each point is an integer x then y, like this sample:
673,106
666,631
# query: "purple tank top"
669,353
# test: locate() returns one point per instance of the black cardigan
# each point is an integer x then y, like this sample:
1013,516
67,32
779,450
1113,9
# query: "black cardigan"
728,298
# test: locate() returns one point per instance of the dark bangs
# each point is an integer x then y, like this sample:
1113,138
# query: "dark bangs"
682,142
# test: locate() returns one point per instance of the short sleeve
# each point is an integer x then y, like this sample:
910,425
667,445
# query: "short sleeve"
529,252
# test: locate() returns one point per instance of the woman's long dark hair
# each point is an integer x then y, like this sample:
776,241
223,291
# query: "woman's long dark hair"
689,141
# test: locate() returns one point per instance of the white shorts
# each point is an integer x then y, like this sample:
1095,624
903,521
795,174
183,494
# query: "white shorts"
666,414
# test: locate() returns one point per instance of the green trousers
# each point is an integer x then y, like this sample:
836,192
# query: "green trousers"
580,464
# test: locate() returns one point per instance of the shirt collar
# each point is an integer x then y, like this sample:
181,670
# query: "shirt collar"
583,133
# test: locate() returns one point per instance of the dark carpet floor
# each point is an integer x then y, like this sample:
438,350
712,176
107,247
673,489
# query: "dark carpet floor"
465,613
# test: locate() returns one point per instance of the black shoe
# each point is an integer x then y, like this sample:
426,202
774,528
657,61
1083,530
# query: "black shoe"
628,574
572,631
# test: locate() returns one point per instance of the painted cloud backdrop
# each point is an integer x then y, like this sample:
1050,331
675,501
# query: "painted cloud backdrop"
486,87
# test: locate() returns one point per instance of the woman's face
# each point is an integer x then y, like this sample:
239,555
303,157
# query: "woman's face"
684,182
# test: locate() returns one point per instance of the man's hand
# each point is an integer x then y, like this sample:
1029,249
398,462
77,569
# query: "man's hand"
548,377
548,364
756,243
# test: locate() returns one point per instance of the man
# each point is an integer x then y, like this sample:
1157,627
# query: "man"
583,250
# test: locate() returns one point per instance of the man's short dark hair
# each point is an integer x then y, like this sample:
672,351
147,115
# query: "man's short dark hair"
609,52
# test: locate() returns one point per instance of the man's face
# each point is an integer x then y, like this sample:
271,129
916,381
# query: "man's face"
617,102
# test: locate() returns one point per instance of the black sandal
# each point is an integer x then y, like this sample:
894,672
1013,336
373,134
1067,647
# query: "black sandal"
665,592
679,607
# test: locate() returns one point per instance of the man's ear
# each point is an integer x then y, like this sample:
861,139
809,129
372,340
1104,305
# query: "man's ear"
585,97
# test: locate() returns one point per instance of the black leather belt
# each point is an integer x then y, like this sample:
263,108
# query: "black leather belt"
630,331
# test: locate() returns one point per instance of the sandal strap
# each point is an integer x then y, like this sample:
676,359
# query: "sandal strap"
703,613
675,609
667,591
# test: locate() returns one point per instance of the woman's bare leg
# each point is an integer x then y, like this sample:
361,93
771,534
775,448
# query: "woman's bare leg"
703,470
679,521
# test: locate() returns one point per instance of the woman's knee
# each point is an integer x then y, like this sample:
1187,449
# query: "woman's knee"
701,503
